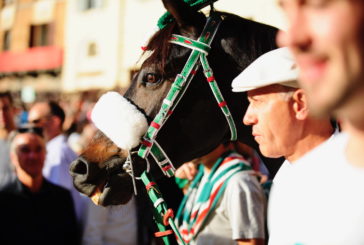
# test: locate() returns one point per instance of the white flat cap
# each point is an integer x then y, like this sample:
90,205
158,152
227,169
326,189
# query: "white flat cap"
274,67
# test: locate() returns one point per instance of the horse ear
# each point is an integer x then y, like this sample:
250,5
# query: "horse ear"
189,21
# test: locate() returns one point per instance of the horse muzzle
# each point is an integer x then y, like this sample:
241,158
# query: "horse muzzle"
105,186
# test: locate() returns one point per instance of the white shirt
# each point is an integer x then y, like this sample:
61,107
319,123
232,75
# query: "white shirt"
114,225
283,171
56,170
320,201
58,159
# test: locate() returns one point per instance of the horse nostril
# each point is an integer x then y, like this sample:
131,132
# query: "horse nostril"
80,168
85,171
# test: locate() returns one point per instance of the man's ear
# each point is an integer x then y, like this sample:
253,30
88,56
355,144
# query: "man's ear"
57,122
300,106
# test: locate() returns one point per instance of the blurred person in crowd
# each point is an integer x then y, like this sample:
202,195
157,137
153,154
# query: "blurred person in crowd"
279,115
33,210
7,115
87,134
7,125
79,142
22,117
82,129
50,116
326,39
224,203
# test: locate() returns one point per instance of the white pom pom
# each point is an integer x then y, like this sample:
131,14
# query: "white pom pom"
119,120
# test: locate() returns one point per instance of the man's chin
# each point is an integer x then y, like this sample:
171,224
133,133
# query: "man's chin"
265,152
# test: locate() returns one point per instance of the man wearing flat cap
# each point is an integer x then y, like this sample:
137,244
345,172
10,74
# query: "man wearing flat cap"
281,124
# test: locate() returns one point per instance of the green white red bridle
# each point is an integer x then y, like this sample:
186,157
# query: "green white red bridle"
200,49
198,57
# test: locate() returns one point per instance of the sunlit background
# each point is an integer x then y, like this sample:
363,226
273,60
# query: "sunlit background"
53,48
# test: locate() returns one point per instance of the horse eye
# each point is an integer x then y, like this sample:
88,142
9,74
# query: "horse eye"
152,79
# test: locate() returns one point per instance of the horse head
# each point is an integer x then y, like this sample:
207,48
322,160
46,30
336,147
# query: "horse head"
197,125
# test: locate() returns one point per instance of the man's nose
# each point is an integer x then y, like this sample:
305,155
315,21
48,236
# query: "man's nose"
249,118
33,154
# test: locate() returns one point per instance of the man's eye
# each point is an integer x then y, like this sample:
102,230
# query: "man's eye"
24,150
38,149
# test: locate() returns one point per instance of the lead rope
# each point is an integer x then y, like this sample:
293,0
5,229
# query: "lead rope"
200,49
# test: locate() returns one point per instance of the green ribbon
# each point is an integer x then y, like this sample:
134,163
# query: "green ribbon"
167,18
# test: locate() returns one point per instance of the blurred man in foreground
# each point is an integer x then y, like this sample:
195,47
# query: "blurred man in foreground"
326,38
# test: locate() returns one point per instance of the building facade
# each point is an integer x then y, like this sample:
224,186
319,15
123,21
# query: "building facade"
31,45
69,46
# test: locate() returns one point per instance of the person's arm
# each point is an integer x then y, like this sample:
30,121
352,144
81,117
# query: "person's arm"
257,241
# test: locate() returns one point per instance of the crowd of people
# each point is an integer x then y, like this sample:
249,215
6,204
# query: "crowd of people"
305,104
38,200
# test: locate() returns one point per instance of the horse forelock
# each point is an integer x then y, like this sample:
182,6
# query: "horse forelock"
159,47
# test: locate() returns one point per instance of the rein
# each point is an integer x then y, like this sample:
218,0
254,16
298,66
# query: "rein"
200,49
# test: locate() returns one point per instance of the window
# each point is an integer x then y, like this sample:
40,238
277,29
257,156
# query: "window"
3,3
39,35
90,4
6,40
92,49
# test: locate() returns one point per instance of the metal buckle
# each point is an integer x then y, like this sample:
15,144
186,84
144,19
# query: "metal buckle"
128,168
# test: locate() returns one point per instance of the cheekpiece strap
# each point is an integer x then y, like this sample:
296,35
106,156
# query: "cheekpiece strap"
219,97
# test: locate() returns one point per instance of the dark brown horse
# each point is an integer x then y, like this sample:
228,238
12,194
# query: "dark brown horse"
197,124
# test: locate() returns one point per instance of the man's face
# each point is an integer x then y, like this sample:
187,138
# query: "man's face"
29,153
271,119
327,40
39,115
6,114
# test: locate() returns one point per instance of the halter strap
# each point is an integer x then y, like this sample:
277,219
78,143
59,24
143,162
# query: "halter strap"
200,49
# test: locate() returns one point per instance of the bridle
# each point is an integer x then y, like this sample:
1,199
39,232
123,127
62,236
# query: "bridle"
149,145
200,50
